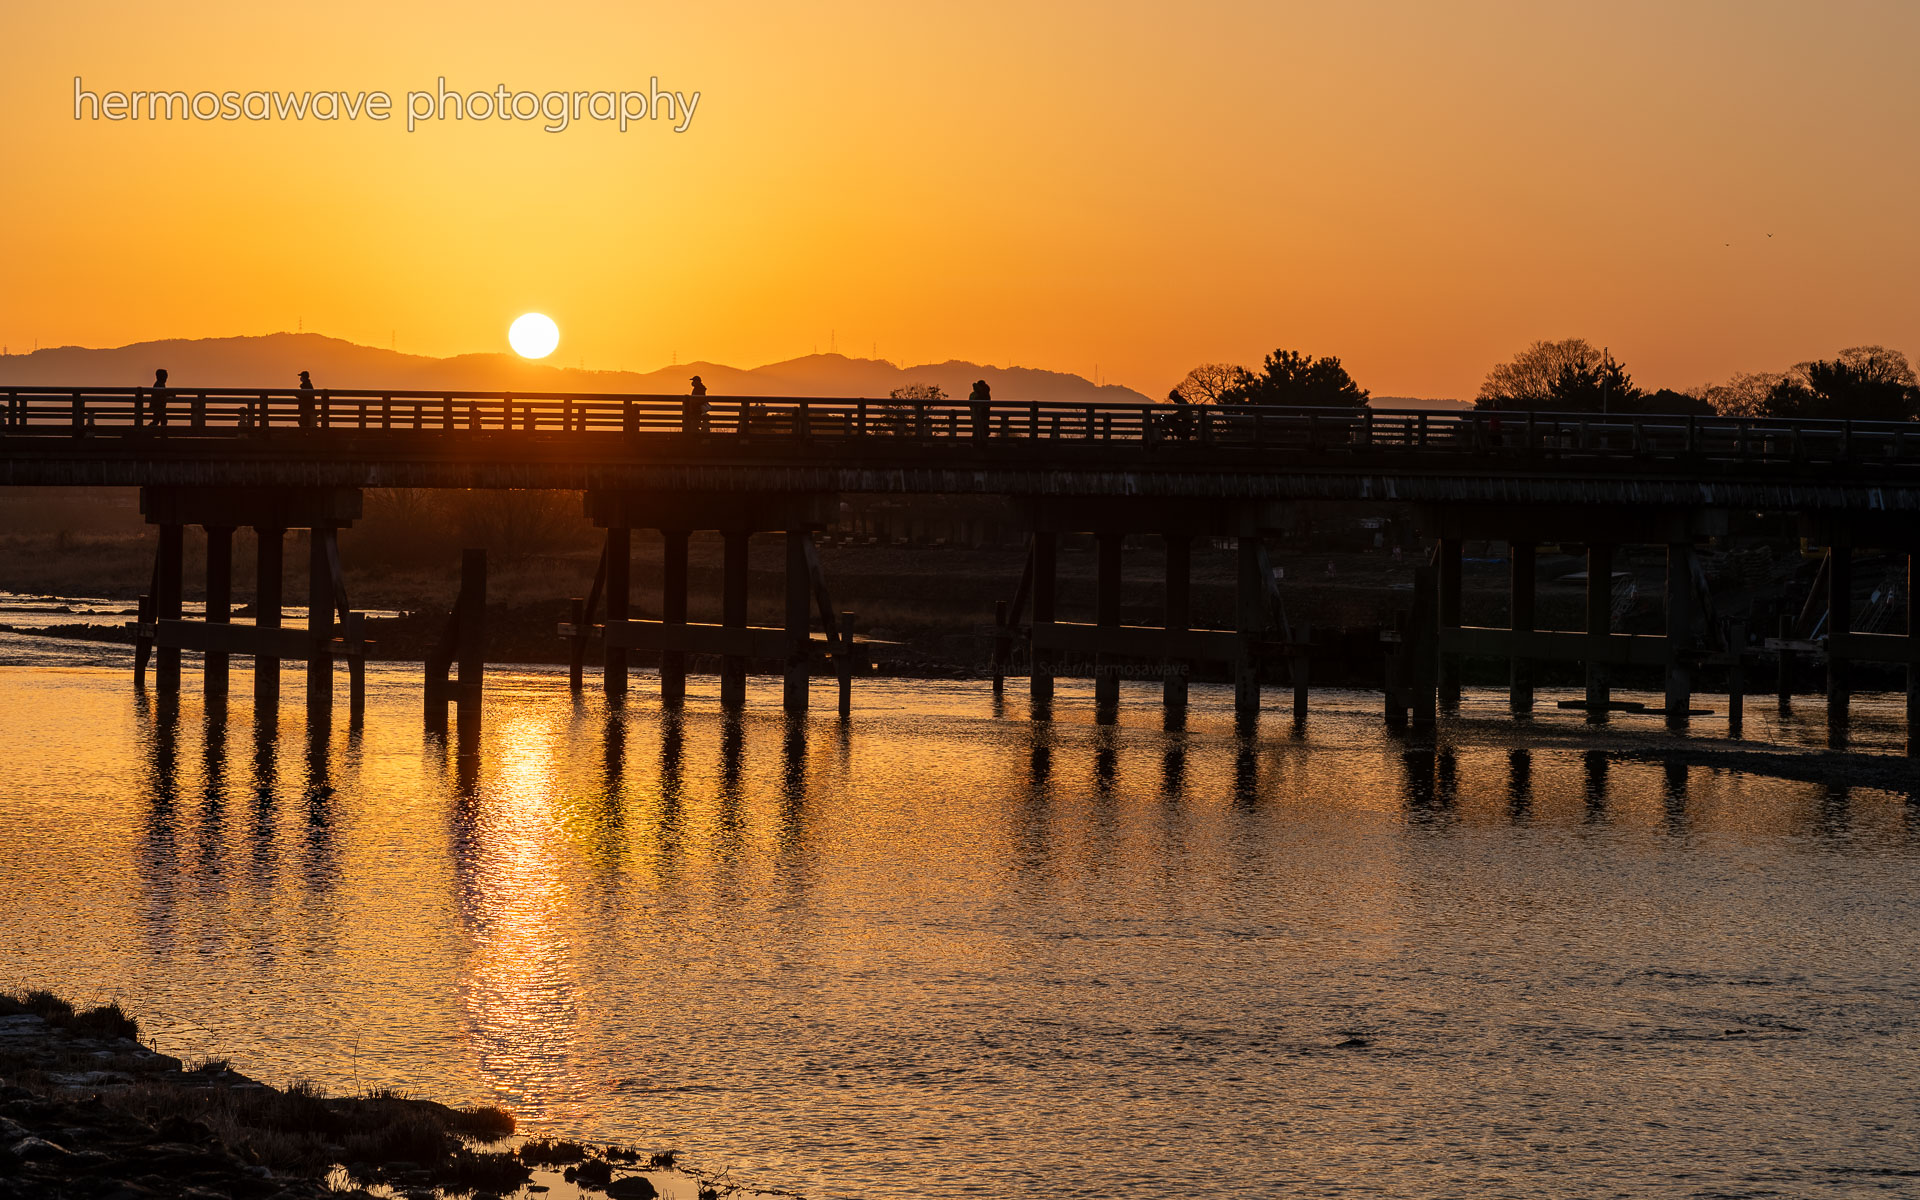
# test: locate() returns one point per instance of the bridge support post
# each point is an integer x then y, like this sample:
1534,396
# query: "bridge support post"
168,568
613,663
1106,676
1839,626
1913,667
1250,613
268,583
472,636
1448,553
1302,664
1599,624
319,625
1040,674
673,608
1783,668
1522,571
1422,671
793,696
1679,632
1179,616
219,606
733,613
1736,678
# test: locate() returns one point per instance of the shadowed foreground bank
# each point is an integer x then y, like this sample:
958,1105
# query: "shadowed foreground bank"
86,1109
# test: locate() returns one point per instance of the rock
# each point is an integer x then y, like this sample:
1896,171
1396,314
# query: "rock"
633,1187
594,1173
33,1149
181,1129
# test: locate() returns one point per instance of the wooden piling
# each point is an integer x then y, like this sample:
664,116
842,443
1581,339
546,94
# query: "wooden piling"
1522,573
1040,674
1447,559
1839,628
268,592
1302,663
1913,667
1250,618
673,609
219,607
169,566
1784,664
1106,677
1423,650
733,613
1179,616
319,625
1679,673
613,665
472,637
793,696
1599,624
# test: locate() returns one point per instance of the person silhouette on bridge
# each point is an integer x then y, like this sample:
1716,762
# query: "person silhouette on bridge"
306,401
693,410
157,401
980,401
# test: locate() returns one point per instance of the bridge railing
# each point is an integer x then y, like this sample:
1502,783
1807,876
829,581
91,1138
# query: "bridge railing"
257,413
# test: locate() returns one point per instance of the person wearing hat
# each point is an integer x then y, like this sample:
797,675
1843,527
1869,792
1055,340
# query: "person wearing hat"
693,410
157,400
306,401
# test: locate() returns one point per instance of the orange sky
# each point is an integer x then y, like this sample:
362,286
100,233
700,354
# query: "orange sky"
1419,188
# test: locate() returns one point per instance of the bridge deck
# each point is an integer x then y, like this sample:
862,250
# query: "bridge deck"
239,437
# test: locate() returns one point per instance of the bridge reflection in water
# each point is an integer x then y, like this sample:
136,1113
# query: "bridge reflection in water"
752,933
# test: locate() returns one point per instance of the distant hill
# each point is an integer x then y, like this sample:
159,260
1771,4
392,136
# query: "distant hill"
1427,403
276,360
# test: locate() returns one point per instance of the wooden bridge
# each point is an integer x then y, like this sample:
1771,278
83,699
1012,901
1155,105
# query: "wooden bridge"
275,460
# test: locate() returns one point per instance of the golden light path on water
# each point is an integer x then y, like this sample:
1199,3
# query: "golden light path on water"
941,949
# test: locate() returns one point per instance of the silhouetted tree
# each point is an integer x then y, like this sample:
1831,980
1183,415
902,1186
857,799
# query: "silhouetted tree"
1667,402
1563,376
1295,379
1209,382
897,418
1868,383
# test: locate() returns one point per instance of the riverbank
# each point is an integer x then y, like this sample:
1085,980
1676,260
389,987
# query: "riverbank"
87,1109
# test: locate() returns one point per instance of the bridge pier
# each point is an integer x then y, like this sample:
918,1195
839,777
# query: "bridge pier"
1179,617
1523,575
269,545
794,689
737,516
1839,629
270,511
1679,605
1913,665
1040,672
219,606
673,611
1447,555
1599,625
1106,607
319,624
733,612
1250,618
169,567
619,565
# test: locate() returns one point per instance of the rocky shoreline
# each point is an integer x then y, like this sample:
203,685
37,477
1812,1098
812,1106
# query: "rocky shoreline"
87,1110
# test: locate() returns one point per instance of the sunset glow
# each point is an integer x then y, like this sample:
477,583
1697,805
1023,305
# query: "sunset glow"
1424,190
533,335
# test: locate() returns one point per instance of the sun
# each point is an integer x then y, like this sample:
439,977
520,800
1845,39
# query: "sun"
533,335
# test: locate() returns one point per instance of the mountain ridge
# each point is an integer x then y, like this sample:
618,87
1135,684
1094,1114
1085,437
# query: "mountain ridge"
276,359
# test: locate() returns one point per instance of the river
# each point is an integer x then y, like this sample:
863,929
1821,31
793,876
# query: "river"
942,949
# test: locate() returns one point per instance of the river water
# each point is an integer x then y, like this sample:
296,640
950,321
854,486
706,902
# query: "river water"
945,950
